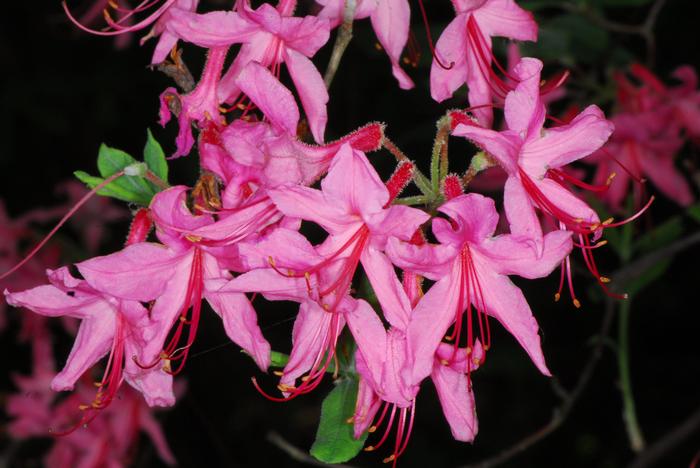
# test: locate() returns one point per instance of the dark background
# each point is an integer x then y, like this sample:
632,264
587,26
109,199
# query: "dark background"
63,92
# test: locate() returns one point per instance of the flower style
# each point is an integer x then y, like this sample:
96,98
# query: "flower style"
471,271
391,21
463,51
196,249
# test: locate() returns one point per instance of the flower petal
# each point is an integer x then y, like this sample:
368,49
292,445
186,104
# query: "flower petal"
457,401
312,91
451,50
391,21
271,97
241,324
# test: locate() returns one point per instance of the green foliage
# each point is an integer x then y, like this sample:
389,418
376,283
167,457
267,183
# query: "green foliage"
129,188
334,439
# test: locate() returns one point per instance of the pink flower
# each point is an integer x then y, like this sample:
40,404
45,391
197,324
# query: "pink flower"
120,328
196,249
463,51
391,21
533,156
270,37
471,271
353,207
200,105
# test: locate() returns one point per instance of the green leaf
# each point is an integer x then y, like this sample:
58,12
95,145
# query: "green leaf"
649,275
334,439
154,157
662,235
112,160
110,190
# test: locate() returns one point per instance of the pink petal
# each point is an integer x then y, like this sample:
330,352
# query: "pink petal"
93,341
520,212
387,287
214,29
506,19
309,337
509,255
271,97
451,49
140,272
475,217
667,178
311,89
312,205
457,402
567,201
304,35
562,145
391,21
353,183
503,146
368,403
273,285
254,50
241,324
432,261
151,427
524,110
155,385
430,320
505,302
369,334
396,221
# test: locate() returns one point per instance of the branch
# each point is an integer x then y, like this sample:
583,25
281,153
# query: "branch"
667,443
569,399
296,453
341,42
638,267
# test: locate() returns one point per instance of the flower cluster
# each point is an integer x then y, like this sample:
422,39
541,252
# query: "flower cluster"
237,233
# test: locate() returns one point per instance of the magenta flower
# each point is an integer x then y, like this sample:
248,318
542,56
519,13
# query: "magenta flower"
391,21
353,207
120,328
463,51
270,37
196,249
471,271
200,105
533,156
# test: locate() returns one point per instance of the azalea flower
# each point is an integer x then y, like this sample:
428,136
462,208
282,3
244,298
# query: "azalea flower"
270,37
471,271
195,249
120,328
463,51
391,21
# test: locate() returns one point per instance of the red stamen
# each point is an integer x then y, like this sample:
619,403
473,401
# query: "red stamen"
430,38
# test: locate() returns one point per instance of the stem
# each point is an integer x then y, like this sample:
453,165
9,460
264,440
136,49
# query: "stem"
341,42
438,159
160,183
421,181
629,415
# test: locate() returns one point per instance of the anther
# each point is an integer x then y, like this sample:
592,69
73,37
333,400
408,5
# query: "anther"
610,178
369,448
604,279
389,459
372,429
577,303
444,362
557,296
193,238
278,373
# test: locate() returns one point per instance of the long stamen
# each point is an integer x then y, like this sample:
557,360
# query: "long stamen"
430,39
63,220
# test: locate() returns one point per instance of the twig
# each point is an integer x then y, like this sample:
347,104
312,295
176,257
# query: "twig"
568,399
667,443
341,42
638,267
296,453
645,29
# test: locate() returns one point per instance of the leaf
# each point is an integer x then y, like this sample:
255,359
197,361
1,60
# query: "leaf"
649,275
154,157
660,236
110,190
694,212
334,439
112,160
